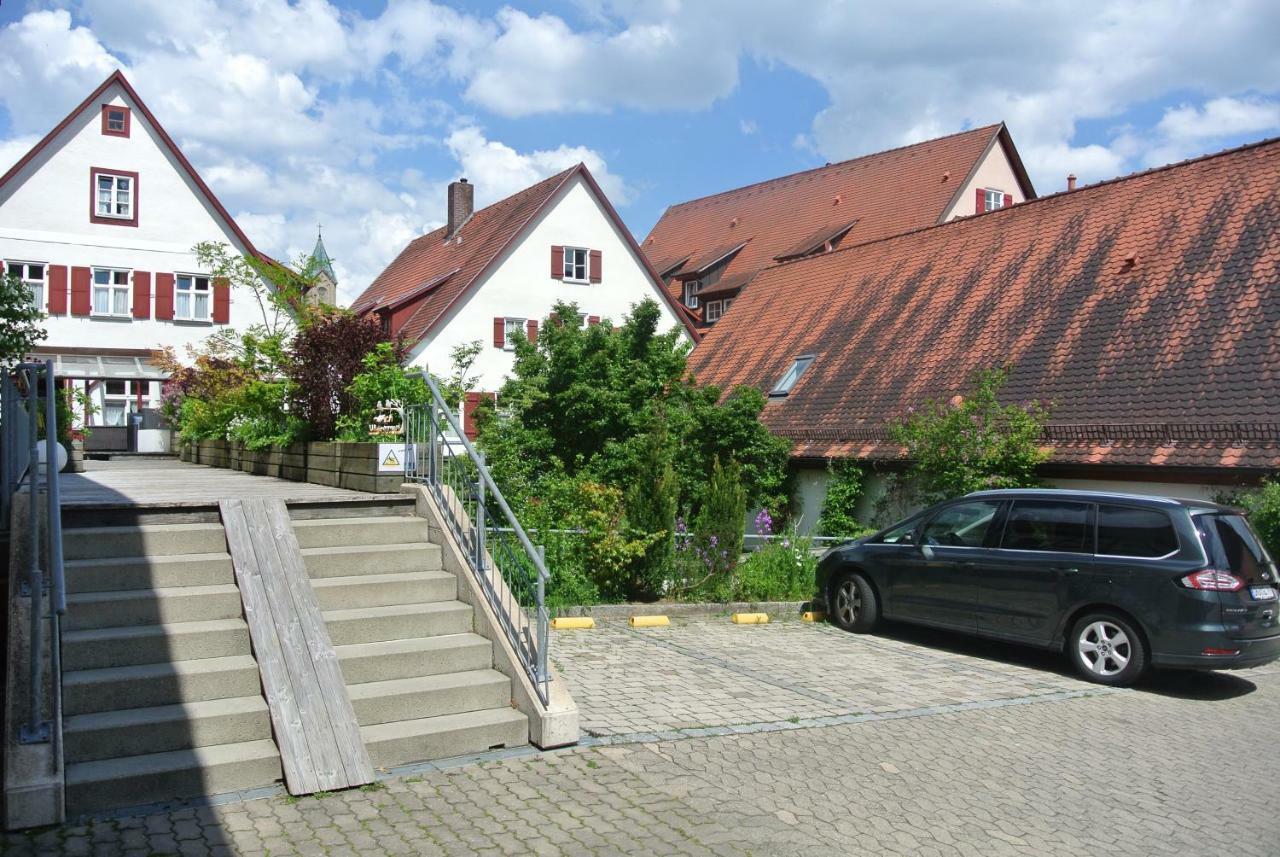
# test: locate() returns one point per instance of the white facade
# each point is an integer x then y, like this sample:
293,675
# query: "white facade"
994,172
48,210
520,285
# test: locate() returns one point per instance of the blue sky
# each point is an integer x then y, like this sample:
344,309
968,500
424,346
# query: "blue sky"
358,113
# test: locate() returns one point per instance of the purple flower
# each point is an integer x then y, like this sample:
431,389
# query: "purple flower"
764,523
715,540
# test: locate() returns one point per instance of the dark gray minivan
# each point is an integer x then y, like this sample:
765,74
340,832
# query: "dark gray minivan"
1120,581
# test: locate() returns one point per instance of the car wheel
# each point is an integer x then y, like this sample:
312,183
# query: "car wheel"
854,606
1107,650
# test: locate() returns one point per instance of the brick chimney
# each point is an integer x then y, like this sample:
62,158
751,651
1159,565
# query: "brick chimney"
1071,182
462,200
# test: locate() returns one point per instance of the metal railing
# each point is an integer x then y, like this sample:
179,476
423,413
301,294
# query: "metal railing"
511,570
20,466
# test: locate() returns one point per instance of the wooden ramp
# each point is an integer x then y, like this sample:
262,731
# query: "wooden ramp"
315,725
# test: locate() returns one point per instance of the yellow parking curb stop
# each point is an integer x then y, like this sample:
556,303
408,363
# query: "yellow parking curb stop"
751,618
573,623
649,621
813,616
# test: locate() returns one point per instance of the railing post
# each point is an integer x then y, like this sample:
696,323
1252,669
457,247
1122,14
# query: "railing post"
479,522
36,730
7,451
541,612
433,429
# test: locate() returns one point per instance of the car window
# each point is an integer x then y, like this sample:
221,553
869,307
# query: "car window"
901,534
1232,545
1126,531
1048,525
962,525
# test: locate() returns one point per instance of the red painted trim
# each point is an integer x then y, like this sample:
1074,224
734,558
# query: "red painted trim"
595,268
142,294
499,332
57,285
221,300
164,297
128,120
81,291
94,217
531,330
117,77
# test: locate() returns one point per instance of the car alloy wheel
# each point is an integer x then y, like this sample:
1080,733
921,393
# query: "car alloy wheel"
1105,648
848,602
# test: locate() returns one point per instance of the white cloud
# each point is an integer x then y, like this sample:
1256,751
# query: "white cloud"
1218,117
502,170
748,127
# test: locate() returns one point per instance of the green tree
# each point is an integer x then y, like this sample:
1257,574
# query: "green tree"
716,543
277,289
20,319
1263,506
972,442
651,499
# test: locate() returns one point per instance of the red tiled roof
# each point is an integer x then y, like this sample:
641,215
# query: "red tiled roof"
117,77
1144,309
441,272
887,193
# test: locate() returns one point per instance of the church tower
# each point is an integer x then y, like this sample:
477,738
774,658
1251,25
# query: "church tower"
325,290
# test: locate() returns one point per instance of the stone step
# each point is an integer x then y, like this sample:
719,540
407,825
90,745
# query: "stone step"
139,731
141,572
152,606
349,532
429,696
384,590
148,540
134,780
371,559
398,622
392,659
98,648
404,742
169,683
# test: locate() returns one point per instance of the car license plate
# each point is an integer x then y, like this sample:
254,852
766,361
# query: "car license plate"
1262,593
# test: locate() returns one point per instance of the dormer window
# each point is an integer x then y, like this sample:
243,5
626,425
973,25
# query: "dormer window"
992,199
792,376
115,120
691,289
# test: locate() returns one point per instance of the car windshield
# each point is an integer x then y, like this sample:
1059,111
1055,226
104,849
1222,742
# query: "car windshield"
1231,543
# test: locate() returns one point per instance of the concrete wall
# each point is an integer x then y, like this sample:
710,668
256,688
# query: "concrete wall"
522,287
994,172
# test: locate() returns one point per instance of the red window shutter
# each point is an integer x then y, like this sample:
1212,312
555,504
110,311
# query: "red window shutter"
164,297
57,289
982,200
531,330
1008,200
595,268
81,302
557,262
593,319
142,294
221,300
499,333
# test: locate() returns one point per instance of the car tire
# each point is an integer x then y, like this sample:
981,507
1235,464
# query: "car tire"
854,606
1107,649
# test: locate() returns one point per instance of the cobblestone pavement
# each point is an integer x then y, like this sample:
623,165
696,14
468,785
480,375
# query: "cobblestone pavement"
997,754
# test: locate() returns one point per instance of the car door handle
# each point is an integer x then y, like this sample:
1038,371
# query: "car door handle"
1067,570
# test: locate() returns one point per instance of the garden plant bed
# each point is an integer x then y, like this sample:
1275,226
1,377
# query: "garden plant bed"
775,609
353,466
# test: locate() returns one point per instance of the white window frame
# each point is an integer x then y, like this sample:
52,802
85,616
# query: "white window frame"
38,287
691,289
111,287
190,292
571,265
129,399
792,376
114,204
992,199
509,326
713,312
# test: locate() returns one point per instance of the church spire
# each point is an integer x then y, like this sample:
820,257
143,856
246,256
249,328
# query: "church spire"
321,256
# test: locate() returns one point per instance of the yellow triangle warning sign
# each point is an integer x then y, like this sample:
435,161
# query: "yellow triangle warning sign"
392,460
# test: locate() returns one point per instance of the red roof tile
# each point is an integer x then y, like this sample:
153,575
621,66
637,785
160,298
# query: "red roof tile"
887,193
1143,308
440,272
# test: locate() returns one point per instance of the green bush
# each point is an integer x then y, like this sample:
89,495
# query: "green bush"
1263,506
708,555
782,570
844,489
381,380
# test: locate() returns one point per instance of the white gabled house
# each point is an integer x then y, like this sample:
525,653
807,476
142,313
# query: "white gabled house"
486,274
100,218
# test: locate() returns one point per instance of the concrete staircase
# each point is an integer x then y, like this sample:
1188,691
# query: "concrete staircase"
421,681
161,695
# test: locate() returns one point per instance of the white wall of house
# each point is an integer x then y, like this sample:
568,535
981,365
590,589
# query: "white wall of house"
994,172
521,285
45,219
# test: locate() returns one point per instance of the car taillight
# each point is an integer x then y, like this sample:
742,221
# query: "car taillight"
1213,580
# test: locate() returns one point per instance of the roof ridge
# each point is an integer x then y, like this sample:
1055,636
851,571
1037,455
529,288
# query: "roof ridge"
828,166
1022,206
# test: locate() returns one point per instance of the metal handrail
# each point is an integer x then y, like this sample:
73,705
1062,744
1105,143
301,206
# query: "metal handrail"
21,465
513,577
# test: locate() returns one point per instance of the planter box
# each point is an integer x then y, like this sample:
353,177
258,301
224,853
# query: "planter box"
353,466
